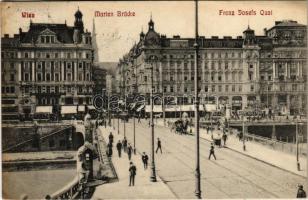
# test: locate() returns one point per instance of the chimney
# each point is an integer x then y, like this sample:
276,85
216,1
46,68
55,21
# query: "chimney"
277,22
6,35
265,31
20,31
176,36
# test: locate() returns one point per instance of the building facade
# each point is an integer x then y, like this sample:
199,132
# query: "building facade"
248,71
52,64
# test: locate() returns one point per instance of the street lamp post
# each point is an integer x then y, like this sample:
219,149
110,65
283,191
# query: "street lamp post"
197,172
297,153
153,172
243,130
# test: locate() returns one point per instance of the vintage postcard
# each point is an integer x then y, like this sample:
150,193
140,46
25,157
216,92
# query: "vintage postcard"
154,99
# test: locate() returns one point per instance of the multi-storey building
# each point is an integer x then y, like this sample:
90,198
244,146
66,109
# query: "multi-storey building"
52,66
248,71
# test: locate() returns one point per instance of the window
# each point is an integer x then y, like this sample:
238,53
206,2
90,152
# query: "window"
250,76
7,90
88,77
262,78
171,78
69,89
233,88
206,88
47,55
52,38
227,88
212,77
226,65
12,77
185,78
171,88
219,77
68,55
69,65
226,77
192,78
26,55
26,77
165,89
56,55
240,76
3,89
240,88
80,77
47,39
213,88
47,77
269,78
39,77
88,55
12,65
185,89
57,77
250,66
42,39
48,89
38,54
12,89
219,88
251,88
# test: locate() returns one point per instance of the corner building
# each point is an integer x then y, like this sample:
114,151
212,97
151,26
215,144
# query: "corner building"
52,65
246,72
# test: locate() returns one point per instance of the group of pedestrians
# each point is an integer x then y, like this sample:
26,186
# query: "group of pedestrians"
127,148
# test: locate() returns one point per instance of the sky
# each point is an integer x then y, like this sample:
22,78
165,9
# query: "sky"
116,35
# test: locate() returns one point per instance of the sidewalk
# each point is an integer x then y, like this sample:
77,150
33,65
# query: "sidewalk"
143,189
260,152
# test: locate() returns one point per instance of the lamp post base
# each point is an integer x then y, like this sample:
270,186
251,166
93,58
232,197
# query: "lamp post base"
298,166
153,174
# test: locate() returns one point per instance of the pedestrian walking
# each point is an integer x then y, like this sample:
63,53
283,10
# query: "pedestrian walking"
119,148
301,192
124,144
224,138
132,173
129,151
145,159
110,138
109,147
212,152
207,130
159,145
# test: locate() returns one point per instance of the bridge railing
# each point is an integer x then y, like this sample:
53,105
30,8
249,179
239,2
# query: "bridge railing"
278,145
70,191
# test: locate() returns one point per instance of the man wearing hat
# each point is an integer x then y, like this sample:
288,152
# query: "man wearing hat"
132,173
301,192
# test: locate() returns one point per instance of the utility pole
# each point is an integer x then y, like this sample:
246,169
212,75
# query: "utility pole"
196,46
243,129
297,153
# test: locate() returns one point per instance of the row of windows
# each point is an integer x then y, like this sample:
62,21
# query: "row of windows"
27,65
69,55
207,55
56,89
56,77
8,90
12,77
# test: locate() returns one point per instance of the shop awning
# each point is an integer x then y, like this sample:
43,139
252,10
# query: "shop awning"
140,108
43,109
68,109
91,107
81,108
156,108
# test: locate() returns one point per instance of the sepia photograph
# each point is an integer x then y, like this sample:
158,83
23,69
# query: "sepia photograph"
154,100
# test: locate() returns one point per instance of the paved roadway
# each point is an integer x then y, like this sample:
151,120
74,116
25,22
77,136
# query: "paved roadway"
232,175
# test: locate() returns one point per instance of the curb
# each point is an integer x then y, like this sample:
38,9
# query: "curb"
258,159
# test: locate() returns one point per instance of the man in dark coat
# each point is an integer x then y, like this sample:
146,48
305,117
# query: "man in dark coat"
110,138
109,146
224,138
212,152
119,148
158,145
301,192
124,144
129,151
132,173
145,159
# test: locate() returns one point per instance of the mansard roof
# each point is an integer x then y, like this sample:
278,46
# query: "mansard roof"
10,42
64,33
